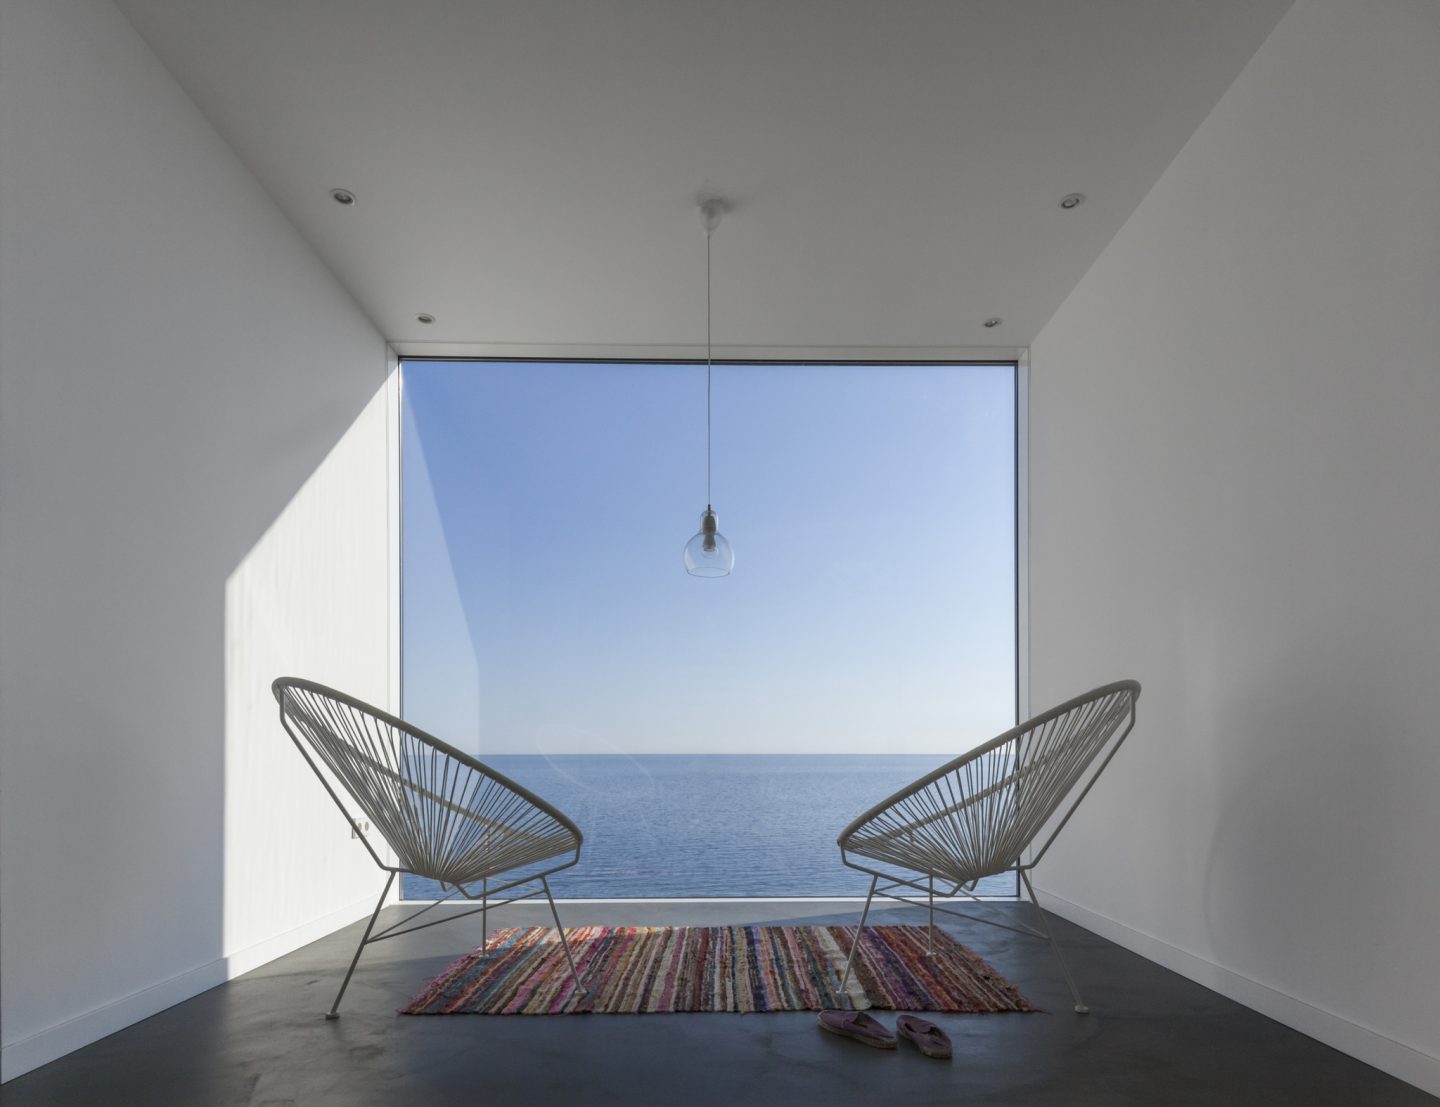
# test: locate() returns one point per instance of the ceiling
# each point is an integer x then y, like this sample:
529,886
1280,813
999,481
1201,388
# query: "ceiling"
526,170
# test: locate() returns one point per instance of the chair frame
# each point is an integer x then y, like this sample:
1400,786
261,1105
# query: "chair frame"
487,903
1019,866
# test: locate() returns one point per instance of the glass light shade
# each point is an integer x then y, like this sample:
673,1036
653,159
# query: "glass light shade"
708,554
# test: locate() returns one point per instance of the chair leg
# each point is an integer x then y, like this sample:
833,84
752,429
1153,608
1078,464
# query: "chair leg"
859,930
484,912
1080,1008
334,1012
930,937
565,945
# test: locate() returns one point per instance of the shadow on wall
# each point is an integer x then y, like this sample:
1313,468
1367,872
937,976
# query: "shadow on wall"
313,597
214,850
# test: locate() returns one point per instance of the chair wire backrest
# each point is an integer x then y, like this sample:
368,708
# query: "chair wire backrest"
444,814
975,815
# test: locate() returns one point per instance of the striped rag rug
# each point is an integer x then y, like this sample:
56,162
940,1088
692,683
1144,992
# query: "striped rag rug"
644,969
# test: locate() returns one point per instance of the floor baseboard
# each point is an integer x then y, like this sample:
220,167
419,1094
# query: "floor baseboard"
44,1046
1405,1062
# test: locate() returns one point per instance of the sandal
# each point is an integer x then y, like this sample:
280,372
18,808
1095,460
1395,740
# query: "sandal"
929,1039
857,1025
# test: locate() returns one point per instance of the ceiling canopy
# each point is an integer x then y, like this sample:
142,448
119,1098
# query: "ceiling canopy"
526,171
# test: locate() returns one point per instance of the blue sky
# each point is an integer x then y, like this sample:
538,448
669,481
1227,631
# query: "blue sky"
547,610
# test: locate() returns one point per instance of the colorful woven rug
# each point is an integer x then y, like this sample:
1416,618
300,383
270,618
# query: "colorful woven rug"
638,969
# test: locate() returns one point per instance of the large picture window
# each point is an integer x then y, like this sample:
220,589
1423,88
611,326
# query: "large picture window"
710,737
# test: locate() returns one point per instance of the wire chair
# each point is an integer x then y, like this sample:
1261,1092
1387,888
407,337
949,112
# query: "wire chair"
443,814
976,816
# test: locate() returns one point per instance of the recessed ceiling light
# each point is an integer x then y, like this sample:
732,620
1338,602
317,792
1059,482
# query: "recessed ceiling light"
342,196
425,317
1074,200
994,321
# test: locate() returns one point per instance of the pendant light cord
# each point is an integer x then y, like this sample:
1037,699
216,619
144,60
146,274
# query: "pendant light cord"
708,369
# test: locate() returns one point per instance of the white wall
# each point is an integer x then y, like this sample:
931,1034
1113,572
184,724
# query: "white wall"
308,599
1235,498
175,365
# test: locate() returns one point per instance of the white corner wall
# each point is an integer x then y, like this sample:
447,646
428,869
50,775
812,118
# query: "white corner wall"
1235,498
193,500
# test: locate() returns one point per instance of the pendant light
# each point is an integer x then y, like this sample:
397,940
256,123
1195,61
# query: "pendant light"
708,554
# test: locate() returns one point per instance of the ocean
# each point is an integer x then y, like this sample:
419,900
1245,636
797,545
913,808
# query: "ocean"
678,825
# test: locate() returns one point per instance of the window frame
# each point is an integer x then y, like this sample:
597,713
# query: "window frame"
1017,360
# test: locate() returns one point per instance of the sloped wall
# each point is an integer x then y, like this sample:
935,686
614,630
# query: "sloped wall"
175,366
1234,472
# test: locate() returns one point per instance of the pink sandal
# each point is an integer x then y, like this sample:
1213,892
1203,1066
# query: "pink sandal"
929,1039
857,1025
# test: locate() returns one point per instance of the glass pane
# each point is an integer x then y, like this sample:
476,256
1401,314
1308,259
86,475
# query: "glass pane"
710,737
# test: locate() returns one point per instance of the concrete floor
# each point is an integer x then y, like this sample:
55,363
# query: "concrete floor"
1152,1038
